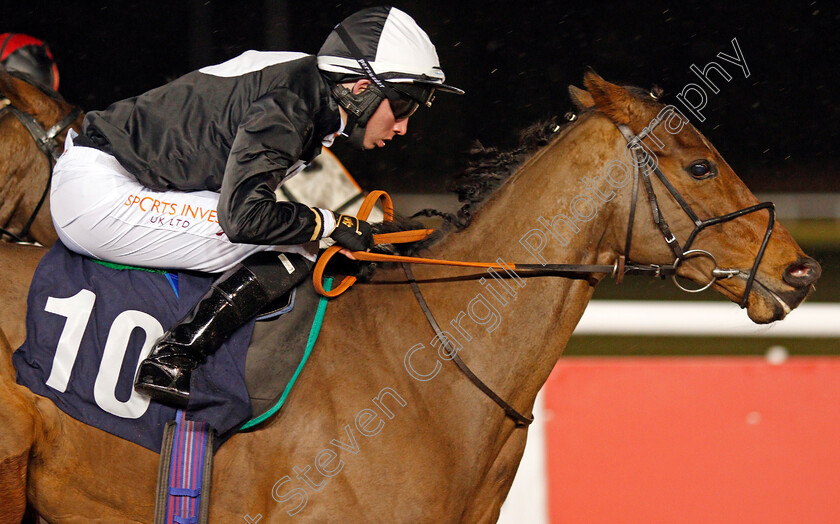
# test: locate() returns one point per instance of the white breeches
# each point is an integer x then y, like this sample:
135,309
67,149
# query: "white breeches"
101,211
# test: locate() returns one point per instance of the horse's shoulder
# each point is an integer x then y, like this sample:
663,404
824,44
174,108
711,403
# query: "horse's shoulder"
17,265
18,257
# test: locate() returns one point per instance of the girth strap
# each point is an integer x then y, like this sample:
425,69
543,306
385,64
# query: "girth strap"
518,418
184,472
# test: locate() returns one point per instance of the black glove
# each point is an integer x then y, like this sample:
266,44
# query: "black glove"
352,233
343,266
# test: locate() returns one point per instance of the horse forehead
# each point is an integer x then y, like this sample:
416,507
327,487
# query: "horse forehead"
692,139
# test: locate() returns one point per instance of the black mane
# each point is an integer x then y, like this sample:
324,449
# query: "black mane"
487,170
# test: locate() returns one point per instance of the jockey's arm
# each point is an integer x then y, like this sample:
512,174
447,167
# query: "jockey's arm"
271,138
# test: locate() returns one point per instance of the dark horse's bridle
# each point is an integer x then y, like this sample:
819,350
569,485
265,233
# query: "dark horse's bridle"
45,139
681,253
623,266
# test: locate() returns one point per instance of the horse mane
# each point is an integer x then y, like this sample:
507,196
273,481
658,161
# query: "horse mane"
487,169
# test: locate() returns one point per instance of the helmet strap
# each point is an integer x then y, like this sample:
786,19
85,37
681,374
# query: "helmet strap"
345,37
359,108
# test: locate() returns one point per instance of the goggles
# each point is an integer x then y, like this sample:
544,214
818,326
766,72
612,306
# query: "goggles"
408,98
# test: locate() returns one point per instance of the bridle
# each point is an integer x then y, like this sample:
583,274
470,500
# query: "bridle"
45,139
643,166
682,253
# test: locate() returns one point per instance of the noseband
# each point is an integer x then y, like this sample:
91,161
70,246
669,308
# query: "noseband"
46,141
644,161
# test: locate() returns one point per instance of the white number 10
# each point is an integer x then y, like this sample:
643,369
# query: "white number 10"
77,310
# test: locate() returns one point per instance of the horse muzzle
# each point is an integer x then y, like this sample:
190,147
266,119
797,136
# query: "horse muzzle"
777,299
802,273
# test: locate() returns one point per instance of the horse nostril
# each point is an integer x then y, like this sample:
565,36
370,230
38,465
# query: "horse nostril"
799,270
802,273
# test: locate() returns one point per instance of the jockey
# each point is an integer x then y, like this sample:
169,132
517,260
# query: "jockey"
184,176
30,57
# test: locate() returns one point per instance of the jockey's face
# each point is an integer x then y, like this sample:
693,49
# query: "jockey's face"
382,126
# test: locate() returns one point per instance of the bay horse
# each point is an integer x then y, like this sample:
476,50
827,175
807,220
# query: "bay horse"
33,125
381,426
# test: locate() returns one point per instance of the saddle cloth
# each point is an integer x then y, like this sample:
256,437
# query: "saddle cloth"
89,326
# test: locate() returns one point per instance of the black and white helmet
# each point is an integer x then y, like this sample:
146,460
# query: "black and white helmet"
389,48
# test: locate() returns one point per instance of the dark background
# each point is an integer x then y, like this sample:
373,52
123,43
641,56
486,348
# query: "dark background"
778,128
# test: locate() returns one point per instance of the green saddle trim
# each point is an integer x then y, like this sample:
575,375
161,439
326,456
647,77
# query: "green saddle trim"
123,267
310,343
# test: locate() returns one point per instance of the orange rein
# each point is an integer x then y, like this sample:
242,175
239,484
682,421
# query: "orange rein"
384,238
617,270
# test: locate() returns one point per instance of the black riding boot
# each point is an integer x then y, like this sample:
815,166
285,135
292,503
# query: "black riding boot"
236,297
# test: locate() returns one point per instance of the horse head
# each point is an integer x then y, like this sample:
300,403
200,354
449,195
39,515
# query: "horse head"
727,239
29,115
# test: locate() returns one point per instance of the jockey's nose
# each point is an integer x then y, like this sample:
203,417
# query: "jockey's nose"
803,272
401,126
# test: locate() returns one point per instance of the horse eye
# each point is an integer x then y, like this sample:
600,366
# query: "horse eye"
701,169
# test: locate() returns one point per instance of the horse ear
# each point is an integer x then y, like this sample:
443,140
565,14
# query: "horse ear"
612,100
581,98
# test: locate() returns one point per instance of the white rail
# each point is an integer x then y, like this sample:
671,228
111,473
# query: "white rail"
692,318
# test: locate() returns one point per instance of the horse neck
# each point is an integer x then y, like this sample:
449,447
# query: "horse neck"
534,326
16,162
375,338
518,343
23,177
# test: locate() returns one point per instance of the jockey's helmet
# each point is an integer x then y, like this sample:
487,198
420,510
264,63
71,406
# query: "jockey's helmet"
386,46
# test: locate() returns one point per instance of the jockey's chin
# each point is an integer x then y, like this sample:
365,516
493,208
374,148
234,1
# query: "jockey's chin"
382,127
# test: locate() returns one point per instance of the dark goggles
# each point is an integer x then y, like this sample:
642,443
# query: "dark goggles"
408,98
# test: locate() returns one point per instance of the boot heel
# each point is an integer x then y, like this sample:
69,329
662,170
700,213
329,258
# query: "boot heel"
166,384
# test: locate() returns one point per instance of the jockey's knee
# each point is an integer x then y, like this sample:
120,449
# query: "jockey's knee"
278,272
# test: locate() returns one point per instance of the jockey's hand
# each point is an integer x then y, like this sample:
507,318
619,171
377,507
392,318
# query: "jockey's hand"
352,233
363,271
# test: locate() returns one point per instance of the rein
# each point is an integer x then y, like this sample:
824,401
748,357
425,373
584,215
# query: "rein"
618,270
45,139
518,418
